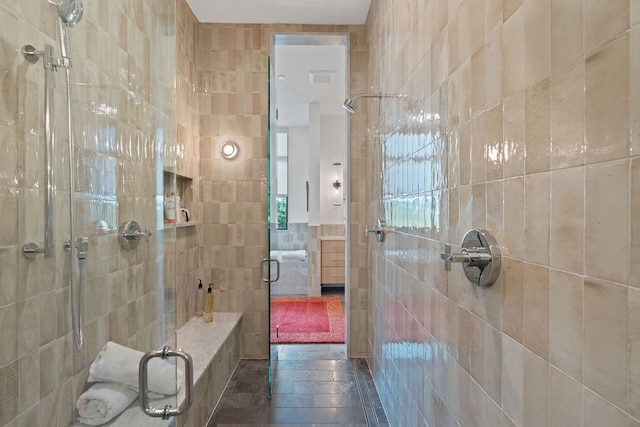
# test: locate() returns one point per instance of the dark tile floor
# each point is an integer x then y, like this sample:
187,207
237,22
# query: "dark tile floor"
315,385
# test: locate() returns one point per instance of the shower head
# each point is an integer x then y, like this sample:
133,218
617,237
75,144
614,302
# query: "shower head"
350,104
70,11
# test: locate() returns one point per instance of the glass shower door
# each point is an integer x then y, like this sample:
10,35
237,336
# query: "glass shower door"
271,212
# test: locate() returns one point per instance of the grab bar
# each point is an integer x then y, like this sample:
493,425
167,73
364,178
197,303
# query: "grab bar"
31,250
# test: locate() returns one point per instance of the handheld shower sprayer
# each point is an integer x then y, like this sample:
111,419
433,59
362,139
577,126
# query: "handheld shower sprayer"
350,104
69,13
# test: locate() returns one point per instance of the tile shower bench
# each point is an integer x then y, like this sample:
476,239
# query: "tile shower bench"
214,348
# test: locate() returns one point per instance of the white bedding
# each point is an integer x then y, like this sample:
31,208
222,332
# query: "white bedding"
280,255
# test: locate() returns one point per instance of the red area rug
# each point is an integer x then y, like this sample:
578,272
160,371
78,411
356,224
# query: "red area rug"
306,320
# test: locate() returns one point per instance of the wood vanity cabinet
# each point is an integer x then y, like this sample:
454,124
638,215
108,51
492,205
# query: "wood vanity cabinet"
332,262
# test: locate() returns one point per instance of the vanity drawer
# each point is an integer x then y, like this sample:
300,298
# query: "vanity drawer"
333,246
333,259
332,262
331,275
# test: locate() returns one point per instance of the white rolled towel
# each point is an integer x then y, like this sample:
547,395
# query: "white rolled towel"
133,416
102,402
119,364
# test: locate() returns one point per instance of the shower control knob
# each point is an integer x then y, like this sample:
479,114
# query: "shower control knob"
475,257
31,250
129,235
480,257
379,230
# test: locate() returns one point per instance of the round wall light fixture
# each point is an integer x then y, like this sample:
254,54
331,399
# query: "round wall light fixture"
229,150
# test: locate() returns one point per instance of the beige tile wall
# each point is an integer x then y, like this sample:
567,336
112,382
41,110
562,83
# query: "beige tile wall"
522,118
123,73
233,102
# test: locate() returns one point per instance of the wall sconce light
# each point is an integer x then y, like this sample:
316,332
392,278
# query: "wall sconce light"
229,150
337,184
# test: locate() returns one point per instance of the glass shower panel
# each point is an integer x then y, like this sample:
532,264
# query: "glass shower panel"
124,125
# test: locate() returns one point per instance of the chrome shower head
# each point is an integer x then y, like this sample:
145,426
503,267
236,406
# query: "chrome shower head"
350,103
70,11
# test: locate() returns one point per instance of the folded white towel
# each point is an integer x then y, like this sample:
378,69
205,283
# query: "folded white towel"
102,402
119,364
133,416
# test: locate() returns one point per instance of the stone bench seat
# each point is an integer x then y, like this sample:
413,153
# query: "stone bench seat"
214,348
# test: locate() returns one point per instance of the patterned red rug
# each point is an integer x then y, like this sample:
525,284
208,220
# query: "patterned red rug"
306,320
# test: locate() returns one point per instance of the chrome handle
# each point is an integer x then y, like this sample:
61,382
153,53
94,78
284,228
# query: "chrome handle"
476,257
31,250
32,54
379,230
368,230
267,279
480,257
135,235
449,257
143,383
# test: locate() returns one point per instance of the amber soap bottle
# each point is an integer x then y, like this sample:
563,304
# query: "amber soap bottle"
208,305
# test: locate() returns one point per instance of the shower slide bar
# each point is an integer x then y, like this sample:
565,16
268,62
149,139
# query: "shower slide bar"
69,14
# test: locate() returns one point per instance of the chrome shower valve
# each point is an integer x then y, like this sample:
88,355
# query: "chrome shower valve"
379,230
480,257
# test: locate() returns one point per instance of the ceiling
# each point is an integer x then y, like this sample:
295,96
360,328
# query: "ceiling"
306,74
318,12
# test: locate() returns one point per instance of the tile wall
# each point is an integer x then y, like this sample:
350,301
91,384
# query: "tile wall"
521,117
123,73
233,102
295,237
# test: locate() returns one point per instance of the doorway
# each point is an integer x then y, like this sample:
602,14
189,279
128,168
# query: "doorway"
308,195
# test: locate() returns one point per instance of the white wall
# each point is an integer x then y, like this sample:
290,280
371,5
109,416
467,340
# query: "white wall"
312,152
332,150
314,165
298,174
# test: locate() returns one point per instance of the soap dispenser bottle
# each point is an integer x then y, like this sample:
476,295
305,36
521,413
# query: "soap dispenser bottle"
200,299
208,305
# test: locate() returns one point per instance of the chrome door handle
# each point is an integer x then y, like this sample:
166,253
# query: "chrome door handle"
143,383
267,279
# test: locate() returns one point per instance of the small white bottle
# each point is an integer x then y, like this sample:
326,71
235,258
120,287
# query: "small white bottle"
170,208
200,299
